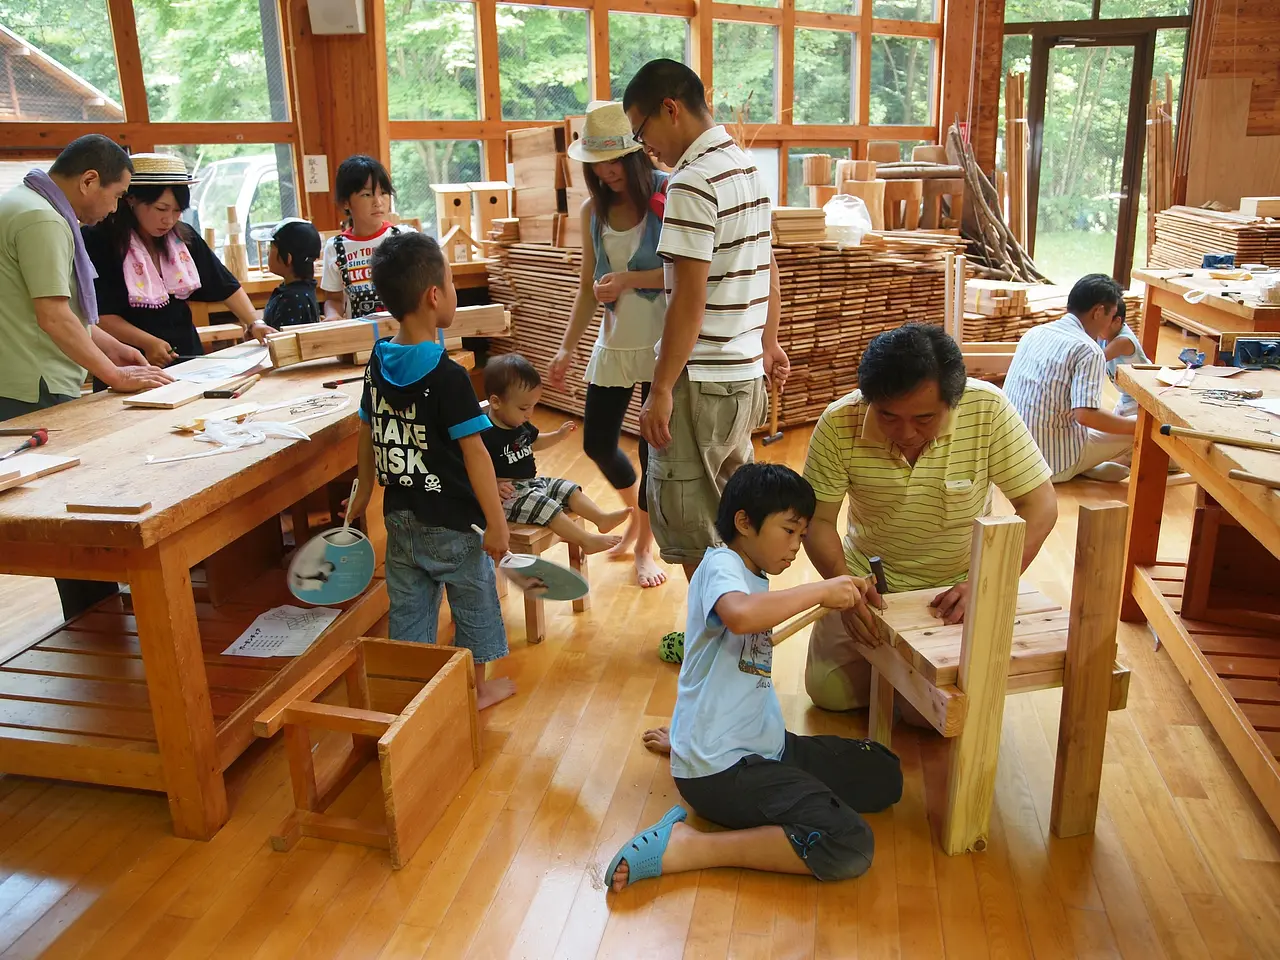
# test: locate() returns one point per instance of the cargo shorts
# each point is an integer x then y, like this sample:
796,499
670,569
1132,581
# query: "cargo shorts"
711,426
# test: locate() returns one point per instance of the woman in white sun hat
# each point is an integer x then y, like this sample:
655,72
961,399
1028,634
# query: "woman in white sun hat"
621,224
150,264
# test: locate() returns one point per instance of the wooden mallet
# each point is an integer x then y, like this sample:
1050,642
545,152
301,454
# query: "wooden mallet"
774,433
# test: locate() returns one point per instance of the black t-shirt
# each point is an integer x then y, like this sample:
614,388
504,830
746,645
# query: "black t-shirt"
416,426
292,302
512,451
172,322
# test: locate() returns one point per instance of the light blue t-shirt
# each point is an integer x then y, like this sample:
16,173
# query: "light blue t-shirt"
1127,406
726,707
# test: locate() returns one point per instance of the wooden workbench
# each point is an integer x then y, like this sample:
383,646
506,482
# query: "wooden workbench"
1232,671
1209,319
139,694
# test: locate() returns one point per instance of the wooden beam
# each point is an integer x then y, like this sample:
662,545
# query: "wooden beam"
598,19
665,8
1148,480
702,43
828,21
55,136
994,565
124,34
864,67
786,89
495,158
956,73
326,716
988,73
1086,681
906,28
742,13
377,25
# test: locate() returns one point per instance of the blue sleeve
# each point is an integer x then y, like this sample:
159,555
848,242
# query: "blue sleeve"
722,573
468,427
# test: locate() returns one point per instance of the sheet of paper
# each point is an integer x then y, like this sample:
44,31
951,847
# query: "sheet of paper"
1269,404
221,366
283,632
1175,378
1219,371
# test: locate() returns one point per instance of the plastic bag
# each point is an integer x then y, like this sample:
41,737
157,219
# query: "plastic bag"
847,219
226,436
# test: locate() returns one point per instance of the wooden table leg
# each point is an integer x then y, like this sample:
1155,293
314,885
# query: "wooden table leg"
535,619
178,689
1086,682
1148,478
880,715
1151,314
985,648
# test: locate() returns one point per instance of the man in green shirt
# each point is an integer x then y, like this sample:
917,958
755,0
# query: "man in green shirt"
48,312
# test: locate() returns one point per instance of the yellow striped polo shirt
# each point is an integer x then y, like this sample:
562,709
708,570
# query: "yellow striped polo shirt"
919,519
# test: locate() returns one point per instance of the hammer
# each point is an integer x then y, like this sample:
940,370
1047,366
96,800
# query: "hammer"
774,433
37,439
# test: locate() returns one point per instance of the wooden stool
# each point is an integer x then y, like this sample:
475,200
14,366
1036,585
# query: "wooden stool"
412,707
884,151
934,190
1012,640
902,204
534,540
871,192
929,153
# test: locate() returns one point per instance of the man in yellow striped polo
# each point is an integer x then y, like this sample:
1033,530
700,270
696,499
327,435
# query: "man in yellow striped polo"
918,450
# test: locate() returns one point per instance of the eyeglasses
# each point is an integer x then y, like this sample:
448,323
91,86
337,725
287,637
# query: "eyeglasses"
637,135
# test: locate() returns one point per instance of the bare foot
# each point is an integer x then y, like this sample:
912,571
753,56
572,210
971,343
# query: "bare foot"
658,740
599,542
648,573
628,539
608,521
489,692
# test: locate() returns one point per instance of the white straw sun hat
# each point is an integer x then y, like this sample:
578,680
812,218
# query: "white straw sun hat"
605,136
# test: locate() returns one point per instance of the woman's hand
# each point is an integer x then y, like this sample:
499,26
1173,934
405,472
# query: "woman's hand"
559,369
609,287
259,331
158,353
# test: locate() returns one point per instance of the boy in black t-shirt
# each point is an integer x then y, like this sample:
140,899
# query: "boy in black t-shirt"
295,244
514,387
421,440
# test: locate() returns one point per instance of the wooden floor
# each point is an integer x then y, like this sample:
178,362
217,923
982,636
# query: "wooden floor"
1183,864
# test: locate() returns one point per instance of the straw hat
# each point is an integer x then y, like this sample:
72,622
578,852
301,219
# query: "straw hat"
159,170
605,136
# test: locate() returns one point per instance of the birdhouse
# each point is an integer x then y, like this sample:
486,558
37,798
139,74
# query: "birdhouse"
453,206
490,201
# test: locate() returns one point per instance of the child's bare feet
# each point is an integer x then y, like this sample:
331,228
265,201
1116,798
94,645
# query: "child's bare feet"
495,690
608,521
648,573
658,740
628,540
599,542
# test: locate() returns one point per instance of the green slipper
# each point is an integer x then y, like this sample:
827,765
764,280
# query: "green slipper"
671,647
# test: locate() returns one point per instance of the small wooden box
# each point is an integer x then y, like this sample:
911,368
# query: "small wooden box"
412,707
453,206
490,201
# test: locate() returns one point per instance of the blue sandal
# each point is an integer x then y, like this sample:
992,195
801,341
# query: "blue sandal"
644,851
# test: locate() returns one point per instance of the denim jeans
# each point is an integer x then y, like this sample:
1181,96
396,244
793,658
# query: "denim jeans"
421,560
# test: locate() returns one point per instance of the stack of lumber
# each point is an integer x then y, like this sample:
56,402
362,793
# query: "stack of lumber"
1159,154
799,225
995,298
539,169
1185,234
1016,144
1042,302
505,230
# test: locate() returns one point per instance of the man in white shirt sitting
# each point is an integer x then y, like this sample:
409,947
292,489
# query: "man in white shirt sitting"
1055,383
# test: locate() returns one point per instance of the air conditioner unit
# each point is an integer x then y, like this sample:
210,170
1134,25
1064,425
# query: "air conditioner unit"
336,16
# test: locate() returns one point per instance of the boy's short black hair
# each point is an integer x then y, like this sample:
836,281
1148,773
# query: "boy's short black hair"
299,243
1121,310
761,490
93,151
509,370
897,361
354,172
664,79
1090,291
404,267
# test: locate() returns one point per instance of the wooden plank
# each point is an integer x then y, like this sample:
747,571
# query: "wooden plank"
398,659
988,637
319,678
46,753
1091,651
171,395
325,716
114,505
33,466
1148,478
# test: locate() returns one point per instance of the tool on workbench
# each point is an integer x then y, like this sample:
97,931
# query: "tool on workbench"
334,384
1247,477
877,568
1171,431
774,433
233,389
21,431
37,439
1192,357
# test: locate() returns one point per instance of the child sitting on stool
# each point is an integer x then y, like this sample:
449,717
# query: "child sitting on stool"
514,387
295,246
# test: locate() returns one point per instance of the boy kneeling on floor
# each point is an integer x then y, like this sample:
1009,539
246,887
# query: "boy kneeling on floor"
791,803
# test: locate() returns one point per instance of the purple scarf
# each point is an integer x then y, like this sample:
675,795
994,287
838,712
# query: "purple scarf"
43,184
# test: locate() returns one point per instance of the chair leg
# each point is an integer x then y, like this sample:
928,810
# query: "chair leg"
578,563
880,716
535,619
1086,680
985,648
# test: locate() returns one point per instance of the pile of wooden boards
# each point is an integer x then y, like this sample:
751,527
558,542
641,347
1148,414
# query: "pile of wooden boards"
539,196
1185,234
1016,145
337,338
995,298
1159,154
799,225
1042,302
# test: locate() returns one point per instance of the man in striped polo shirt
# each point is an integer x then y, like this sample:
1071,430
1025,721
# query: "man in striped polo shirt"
720,332
917,450
1055,382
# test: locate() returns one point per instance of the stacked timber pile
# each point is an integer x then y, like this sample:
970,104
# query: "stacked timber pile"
1040,303
539,199
799,225
1185,234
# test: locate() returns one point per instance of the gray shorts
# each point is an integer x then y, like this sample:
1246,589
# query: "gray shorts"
711,426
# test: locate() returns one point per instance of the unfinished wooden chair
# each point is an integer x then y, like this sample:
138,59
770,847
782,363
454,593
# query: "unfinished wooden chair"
935,188
412,708
535,540
1013,640
884,151
902,199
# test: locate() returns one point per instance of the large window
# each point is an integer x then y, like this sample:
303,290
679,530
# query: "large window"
901,80
212,60
746,72
824,78
59,61
417,164
848,7
542,59
635,39
905,9
431,60
1033,11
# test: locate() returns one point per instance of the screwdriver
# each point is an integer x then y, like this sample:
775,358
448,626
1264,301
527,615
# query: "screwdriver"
37,439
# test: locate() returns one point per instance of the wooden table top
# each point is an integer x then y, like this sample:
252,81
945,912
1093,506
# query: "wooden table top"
262,282
113,441
1177,282
1183,407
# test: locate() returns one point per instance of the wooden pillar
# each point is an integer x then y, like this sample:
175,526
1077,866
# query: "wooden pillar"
702,42
956,83
988,74
598,17
1148,478
495,151
786,92
133,90
985,647
1091,653
880,714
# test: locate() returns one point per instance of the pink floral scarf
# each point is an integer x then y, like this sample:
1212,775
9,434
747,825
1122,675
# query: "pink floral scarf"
151,288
